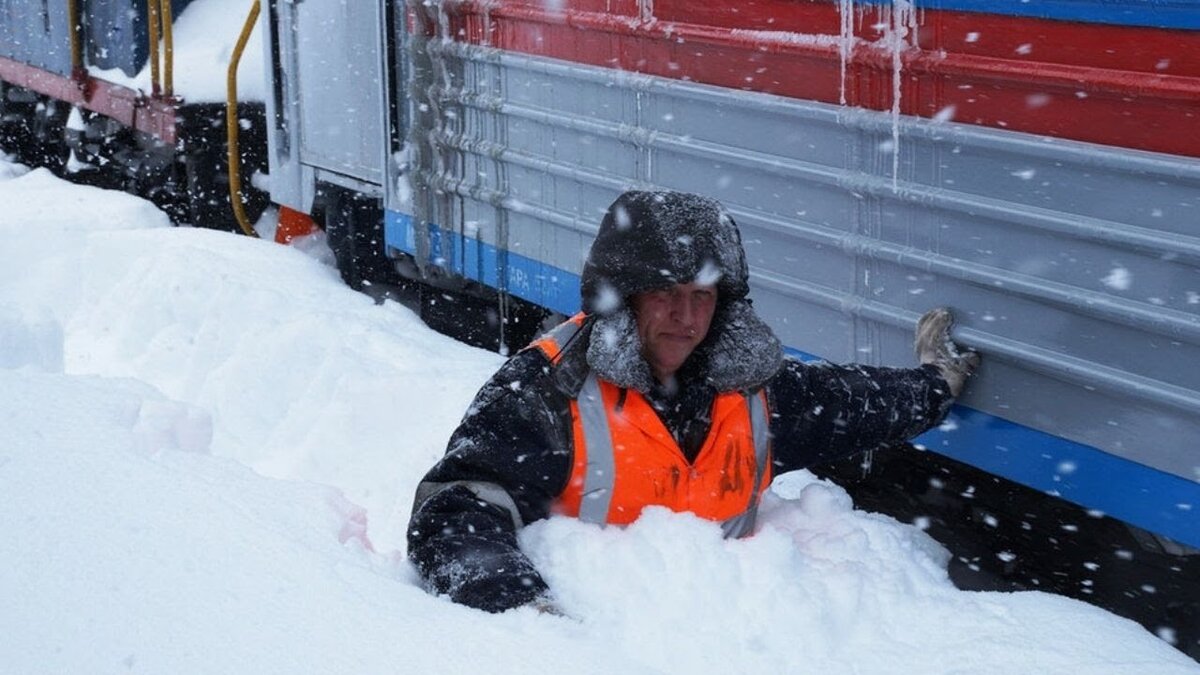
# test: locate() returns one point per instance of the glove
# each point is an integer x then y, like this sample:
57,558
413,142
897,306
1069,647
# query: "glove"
500,593
934,346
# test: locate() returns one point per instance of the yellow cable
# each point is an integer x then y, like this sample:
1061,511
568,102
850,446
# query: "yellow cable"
231,124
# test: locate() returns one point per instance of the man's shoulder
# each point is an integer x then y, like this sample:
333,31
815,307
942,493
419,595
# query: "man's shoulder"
528,366
530,374
564,366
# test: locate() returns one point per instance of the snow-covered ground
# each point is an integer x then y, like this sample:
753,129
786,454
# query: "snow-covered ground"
210,450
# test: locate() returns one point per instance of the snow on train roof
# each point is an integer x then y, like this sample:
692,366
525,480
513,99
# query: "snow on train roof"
204,37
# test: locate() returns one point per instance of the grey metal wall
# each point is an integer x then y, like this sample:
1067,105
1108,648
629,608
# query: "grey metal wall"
1075,268
36,34
327,99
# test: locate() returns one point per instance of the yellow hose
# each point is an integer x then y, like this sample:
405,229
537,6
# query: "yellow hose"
153,18
168,33
231,124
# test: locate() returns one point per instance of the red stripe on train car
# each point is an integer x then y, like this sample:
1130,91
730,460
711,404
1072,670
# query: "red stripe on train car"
1124,86
130,107
1162,52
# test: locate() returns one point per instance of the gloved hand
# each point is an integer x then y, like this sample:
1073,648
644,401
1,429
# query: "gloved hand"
933,345
500,592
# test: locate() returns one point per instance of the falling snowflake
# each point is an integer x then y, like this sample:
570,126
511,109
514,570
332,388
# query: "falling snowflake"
1118,279
945,114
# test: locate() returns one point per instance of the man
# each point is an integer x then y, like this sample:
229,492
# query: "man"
666,390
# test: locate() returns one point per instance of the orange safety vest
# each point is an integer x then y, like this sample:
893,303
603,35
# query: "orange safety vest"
625,459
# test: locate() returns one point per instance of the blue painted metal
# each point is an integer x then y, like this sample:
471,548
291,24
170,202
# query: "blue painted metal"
1170,14
524,277
115,34
36,34
1149,498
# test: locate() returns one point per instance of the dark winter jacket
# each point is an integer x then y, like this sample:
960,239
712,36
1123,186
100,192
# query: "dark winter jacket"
512,455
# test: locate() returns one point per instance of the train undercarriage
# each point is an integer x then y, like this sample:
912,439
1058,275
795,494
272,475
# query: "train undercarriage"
188,179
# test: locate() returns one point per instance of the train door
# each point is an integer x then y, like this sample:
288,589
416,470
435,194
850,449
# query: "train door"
327,101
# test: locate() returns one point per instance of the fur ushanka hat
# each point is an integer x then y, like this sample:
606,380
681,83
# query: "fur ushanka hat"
652,240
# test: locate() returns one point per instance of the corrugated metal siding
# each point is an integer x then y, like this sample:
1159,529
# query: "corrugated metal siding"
1075,268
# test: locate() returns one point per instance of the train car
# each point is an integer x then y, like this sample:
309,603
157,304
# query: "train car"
1031,164
110,92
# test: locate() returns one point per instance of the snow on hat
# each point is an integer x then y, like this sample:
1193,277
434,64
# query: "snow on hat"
652,240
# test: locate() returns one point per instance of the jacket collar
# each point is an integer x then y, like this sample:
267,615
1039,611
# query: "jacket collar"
740,352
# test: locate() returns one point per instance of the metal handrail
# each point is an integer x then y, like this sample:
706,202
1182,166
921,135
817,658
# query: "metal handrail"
231,123
153,11
161,22
76,44
168,37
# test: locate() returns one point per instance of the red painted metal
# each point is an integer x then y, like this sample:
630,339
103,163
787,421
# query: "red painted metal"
1016,38
1125,86
132,108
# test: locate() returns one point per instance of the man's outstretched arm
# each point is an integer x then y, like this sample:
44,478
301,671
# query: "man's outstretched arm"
822,412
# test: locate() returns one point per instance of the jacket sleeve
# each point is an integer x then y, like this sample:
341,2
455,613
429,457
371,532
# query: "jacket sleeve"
505,464
822,412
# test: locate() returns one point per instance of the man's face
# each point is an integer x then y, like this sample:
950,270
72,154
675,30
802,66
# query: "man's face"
671,322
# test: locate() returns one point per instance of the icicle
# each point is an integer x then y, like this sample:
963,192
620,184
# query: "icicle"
845,44
646,11
900,21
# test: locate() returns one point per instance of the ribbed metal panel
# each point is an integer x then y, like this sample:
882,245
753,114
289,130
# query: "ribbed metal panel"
1075,268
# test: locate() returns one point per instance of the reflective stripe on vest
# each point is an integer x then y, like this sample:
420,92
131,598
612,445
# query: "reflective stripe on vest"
743,525
599,475
601,469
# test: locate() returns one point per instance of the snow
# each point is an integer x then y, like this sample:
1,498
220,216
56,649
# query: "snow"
212,447
1118,279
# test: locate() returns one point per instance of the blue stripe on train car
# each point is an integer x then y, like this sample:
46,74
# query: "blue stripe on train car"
1178,14
1149,498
